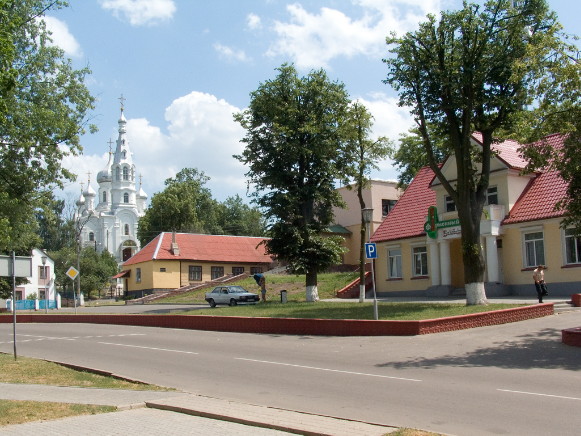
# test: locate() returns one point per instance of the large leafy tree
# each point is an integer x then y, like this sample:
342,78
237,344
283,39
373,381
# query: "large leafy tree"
239,219
293,144
475,69
43,111
185,205
361,155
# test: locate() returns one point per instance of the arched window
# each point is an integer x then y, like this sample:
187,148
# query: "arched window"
91,236
126,230
104,196
125,173
117,173
126,198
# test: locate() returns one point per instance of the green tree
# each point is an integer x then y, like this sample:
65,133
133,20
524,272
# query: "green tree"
475,69
293,144
43,111
361,155
96,271
185,205
239,219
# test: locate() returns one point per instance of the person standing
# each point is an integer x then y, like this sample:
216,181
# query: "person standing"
261,281
539,278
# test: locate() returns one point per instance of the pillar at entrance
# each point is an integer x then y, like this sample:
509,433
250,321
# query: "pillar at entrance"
445,266
492,259
434,262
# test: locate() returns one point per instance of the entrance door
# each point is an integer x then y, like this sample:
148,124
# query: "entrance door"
126,253
457,263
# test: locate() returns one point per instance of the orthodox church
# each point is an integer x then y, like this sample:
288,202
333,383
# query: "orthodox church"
108,217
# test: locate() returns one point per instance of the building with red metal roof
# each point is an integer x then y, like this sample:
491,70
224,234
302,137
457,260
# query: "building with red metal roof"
520,229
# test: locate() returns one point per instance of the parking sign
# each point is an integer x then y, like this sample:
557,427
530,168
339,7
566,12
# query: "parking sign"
371,250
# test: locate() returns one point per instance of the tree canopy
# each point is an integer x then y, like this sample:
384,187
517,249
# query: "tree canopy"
293,144
474,69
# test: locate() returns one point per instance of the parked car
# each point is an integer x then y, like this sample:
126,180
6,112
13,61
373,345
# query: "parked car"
231,295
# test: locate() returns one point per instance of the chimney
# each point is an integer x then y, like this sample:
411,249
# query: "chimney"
175,250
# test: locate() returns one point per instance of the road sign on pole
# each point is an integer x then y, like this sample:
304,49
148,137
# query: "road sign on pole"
371,250
72,272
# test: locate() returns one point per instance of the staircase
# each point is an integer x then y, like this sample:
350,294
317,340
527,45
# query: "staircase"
162,294
352,289
565,306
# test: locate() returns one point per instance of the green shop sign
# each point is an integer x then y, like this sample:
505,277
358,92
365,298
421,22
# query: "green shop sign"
432,225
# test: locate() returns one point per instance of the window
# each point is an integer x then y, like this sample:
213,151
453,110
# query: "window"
255,270
195,273
43,272
572,247
394,263
125,173
420,261
534,249
386,206
217,272
449,203
126,230
105,197
126,198
237,270
91,236
162,270
137,275
492,195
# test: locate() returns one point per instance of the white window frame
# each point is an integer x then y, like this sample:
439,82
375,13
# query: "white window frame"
419,256
538,259
392,254
576,240
492,191
137,275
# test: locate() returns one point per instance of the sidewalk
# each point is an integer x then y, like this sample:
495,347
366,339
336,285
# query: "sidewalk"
154,412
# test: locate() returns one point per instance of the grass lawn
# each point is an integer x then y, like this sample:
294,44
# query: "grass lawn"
334,310
34,371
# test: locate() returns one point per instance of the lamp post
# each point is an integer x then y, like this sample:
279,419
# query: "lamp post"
43,260
368,218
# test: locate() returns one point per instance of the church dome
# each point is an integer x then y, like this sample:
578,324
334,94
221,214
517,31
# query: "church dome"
89,192
81,200
142,193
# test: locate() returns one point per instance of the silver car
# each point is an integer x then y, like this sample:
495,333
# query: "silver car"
231,295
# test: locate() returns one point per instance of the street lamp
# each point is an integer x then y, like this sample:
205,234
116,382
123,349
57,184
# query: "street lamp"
43,260
367,214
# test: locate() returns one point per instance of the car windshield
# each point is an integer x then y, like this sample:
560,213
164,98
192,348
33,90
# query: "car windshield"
237,290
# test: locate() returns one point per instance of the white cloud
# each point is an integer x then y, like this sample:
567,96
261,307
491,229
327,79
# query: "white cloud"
314,39
61,36
230,54
201,133
141,12
253,21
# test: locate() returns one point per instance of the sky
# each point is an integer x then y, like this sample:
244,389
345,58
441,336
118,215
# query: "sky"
184,67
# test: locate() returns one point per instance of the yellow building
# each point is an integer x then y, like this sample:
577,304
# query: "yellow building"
379,195
172,261
520,229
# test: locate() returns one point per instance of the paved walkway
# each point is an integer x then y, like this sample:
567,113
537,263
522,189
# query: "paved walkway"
154,413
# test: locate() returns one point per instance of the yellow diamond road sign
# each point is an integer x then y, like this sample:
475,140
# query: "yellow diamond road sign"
72,272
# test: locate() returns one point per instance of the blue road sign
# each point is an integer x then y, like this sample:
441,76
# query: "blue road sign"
371,250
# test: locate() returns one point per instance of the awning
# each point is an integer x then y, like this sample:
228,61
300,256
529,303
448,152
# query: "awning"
122,274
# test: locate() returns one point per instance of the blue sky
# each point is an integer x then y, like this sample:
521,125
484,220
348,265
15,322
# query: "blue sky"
185,66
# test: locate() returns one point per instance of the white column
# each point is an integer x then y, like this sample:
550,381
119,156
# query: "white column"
434,262
445,266
492,259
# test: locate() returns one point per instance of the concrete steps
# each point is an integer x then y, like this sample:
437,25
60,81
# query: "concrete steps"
565,306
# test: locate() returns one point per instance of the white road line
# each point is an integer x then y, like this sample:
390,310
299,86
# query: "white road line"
539,395
327,369
149,348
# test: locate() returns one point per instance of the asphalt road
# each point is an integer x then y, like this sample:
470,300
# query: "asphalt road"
514,379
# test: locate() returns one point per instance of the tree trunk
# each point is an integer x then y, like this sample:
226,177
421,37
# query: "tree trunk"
474,265
312,291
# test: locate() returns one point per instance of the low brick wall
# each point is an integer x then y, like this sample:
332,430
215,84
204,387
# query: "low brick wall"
298,326
576,300
571,336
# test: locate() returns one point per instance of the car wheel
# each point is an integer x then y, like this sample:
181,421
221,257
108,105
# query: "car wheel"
212,303
233,302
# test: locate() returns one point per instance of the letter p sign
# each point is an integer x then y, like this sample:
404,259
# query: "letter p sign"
371,250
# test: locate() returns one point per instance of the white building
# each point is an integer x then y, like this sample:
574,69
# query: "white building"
41,282
108,218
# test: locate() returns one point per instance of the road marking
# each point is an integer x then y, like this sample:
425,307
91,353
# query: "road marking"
149,348
327,369
539,395
36,338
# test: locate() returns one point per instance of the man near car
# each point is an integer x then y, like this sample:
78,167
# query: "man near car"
261,281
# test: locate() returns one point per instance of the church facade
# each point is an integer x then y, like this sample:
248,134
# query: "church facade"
107,218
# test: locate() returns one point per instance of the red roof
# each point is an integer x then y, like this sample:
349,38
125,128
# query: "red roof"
508,152
407,218
204,248
539,198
